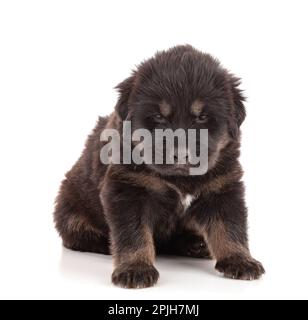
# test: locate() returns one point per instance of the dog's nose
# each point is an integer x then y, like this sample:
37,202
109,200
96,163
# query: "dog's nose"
181,156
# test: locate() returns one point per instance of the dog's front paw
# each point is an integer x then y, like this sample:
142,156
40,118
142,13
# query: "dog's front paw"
240,267
135,276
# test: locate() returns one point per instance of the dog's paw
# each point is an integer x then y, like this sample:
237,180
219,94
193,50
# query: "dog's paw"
240,267
136,276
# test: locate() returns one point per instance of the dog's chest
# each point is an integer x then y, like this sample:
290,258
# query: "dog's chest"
180,205
187,200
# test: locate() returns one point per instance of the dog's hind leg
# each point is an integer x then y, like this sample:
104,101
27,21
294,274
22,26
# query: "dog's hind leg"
81,227
186,243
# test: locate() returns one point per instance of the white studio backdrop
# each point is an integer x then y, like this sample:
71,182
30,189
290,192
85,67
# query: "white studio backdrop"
59,63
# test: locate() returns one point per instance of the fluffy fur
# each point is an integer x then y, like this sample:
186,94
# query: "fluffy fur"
135,212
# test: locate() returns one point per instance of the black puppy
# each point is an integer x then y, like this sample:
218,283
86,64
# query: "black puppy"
135,211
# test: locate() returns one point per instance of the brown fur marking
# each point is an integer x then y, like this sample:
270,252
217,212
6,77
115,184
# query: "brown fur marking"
219,242
197,107
143,254
224,140
219,182
79,223
150,182
165,108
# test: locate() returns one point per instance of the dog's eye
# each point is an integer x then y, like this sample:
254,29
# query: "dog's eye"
202,118
158,117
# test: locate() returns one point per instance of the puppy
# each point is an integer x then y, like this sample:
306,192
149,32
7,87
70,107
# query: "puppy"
135,211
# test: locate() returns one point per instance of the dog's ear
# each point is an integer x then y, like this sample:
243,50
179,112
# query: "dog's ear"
238,109
125,89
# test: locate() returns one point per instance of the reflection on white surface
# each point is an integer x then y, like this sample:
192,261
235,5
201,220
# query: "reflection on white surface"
98,268
86,266
179,276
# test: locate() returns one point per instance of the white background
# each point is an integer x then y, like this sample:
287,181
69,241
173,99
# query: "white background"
59,62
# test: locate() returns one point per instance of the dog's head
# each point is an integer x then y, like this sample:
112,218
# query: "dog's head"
183,88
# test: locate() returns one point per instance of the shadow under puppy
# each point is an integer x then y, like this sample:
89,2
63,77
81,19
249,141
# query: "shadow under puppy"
136,211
